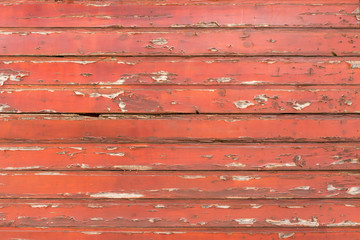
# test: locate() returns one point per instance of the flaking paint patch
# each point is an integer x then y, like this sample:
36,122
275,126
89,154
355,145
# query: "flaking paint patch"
276,165
159,41
245,221
22,168
235,164
355,160
110,96
133,167
354,64
216,206
116,195
285,235
253,82
50,173
161,76
40,205
91,233
21,148
301,188
122,106
65,61
192,176
242,104
4,107
345,223
353,191
243,178
296,222
301,106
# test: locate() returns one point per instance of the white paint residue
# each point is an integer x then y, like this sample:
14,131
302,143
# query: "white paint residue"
21,148
192,176
253,82
297,222
242,104
92,233
117,154
22,168
4,107
345,223
39,205
110,96
353,191
235,164
274,165
116,195
79,93
133,167
355,160
285,235
49,173
161,76
300,106
160,206
354,64
332,188
243,178
159,41
301,188
65,61
122,106
261,98
245,221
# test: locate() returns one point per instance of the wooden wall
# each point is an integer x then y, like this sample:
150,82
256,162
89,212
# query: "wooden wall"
175,120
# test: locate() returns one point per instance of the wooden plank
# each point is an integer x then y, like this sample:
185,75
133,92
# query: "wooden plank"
141,157
180,15
173,185
179,234
178,128
179,71
163,99
170,42
180,213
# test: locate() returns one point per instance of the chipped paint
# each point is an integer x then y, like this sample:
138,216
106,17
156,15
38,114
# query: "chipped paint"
116,195
235,164
161,76
40,205
133,167
285,235
159,41
192,176
354,64
340,162
353,191
277,165
295,222
242,104
301,188
301,106
110,96
345,223
245,221
50,173
35,148
91,233
243,178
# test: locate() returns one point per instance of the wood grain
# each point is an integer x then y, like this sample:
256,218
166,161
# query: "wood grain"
181,14
284,214
159,99
178,128
173,185
179,234
172,42
142,157
179,71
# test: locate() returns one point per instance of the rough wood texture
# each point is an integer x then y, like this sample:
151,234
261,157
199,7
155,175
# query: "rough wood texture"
183,233
230,14
179,128
142,157
172,120
179,71
159,99
172,185
170,42
284,214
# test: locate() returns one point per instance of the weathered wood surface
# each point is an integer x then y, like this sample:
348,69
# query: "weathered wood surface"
179,234
179,128
180,14
173,185
184,42
179,71
163,99
142,157
284,214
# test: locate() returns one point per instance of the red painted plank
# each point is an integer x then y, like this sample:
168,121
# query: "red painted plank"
327,42
180,15
180,157
178,128
180,234
172,185
179,71
180,213
163,99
